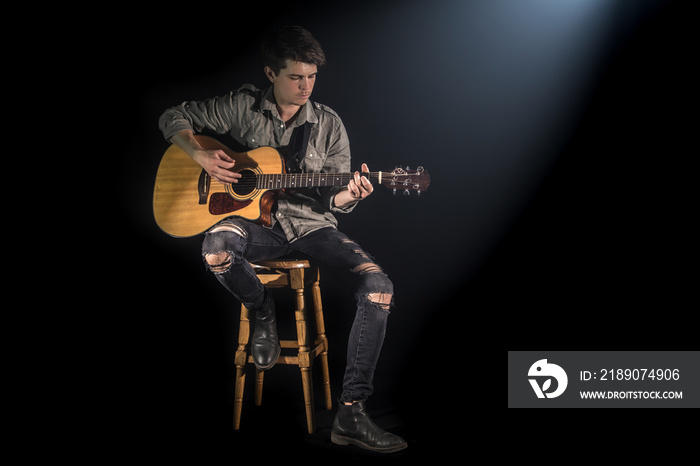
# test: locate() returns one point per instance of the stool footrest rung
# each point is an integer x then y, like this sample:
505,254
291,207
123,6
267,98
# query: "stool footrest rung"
294,359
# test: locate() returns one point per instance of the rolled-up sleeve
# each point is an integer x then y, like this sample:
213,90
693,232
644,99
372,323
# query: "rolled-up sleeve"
216,115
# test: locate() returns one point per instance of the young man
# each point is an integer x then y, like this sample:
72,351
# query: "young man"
311,137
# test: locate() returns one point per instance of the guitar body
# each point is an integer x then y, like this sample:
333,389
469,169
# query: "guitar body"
187,201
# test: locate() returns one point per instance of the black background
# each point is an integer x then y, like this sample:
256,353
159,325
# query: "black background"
586,246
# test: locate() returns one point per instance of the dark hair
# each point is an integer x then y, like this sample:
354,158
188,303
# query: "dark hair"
294,43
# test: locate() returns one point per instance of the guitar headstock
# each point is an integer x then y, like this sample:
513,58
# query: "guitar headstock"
406,180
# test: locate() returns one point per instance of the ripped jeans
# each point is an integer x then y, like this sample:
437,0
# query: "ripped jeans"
230,246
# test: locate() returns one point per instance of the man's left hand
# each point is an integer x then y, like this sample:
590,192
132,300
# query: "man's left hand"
360,187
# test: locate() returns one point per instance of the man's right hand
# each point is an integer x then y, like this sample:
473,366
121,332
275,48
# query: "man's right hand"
215,161
218,164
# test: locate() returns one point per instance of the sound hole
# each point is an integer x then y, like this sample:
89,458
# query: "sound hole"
246,184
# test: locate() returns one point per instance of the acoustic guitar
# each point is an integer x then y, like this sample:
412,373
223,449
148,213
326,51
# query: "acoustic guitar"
187,201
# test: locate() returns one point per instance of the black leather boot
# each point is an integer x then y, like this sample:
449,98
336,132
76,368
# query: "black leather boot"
265,344
352,425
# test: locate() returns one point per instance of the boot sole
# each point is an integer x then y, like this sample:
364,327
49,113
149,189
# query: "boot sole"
341,440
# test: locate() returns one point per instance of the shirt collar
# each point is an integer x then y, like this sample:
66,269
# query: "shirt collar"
307,113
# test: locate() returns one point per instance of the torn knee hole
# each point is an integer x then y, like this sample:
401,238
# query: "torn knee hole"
383,300
220,262
230,228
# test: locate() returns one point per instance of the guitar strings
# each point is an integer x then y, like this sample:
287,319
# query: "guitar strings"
296,180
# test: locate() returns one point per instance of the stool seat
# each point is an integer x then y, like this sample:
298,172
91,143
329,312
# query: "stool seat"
282,264
295,274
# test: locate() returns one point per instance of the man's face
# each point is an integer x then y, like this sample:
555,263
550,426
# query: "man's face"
294,84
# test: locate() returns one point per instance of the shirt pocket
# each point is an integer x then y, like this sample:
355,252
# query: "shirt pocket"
251,139
314,160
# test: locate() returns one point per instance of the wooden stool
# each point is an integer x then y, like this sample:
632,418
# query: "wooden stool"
296,274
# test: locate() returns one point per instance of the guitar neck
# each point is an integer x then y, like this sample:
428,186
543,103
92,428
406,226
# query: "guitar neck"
310,180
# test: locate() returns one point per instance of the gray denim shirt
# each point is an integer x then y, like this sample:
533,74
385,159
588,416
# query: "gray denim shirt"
249,115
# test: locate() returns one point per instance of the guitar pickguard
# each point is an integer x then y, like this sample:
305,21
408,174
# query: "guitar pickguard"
223,203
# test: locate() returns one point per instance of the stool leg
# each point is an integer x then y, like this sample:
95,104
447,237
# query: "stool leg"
321,337
297,282
258,386
241,359
307,384
238,397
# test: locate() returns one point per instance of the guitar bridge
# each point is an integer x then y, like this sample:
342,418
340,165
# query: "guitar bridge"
203,186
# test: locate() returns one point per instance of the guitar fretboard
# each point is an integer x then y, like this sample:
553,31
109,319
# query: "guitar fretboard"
308,180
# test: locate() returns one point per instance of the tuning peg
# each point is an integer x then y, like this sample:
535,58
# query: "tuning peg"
394,191
406,192
418,192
